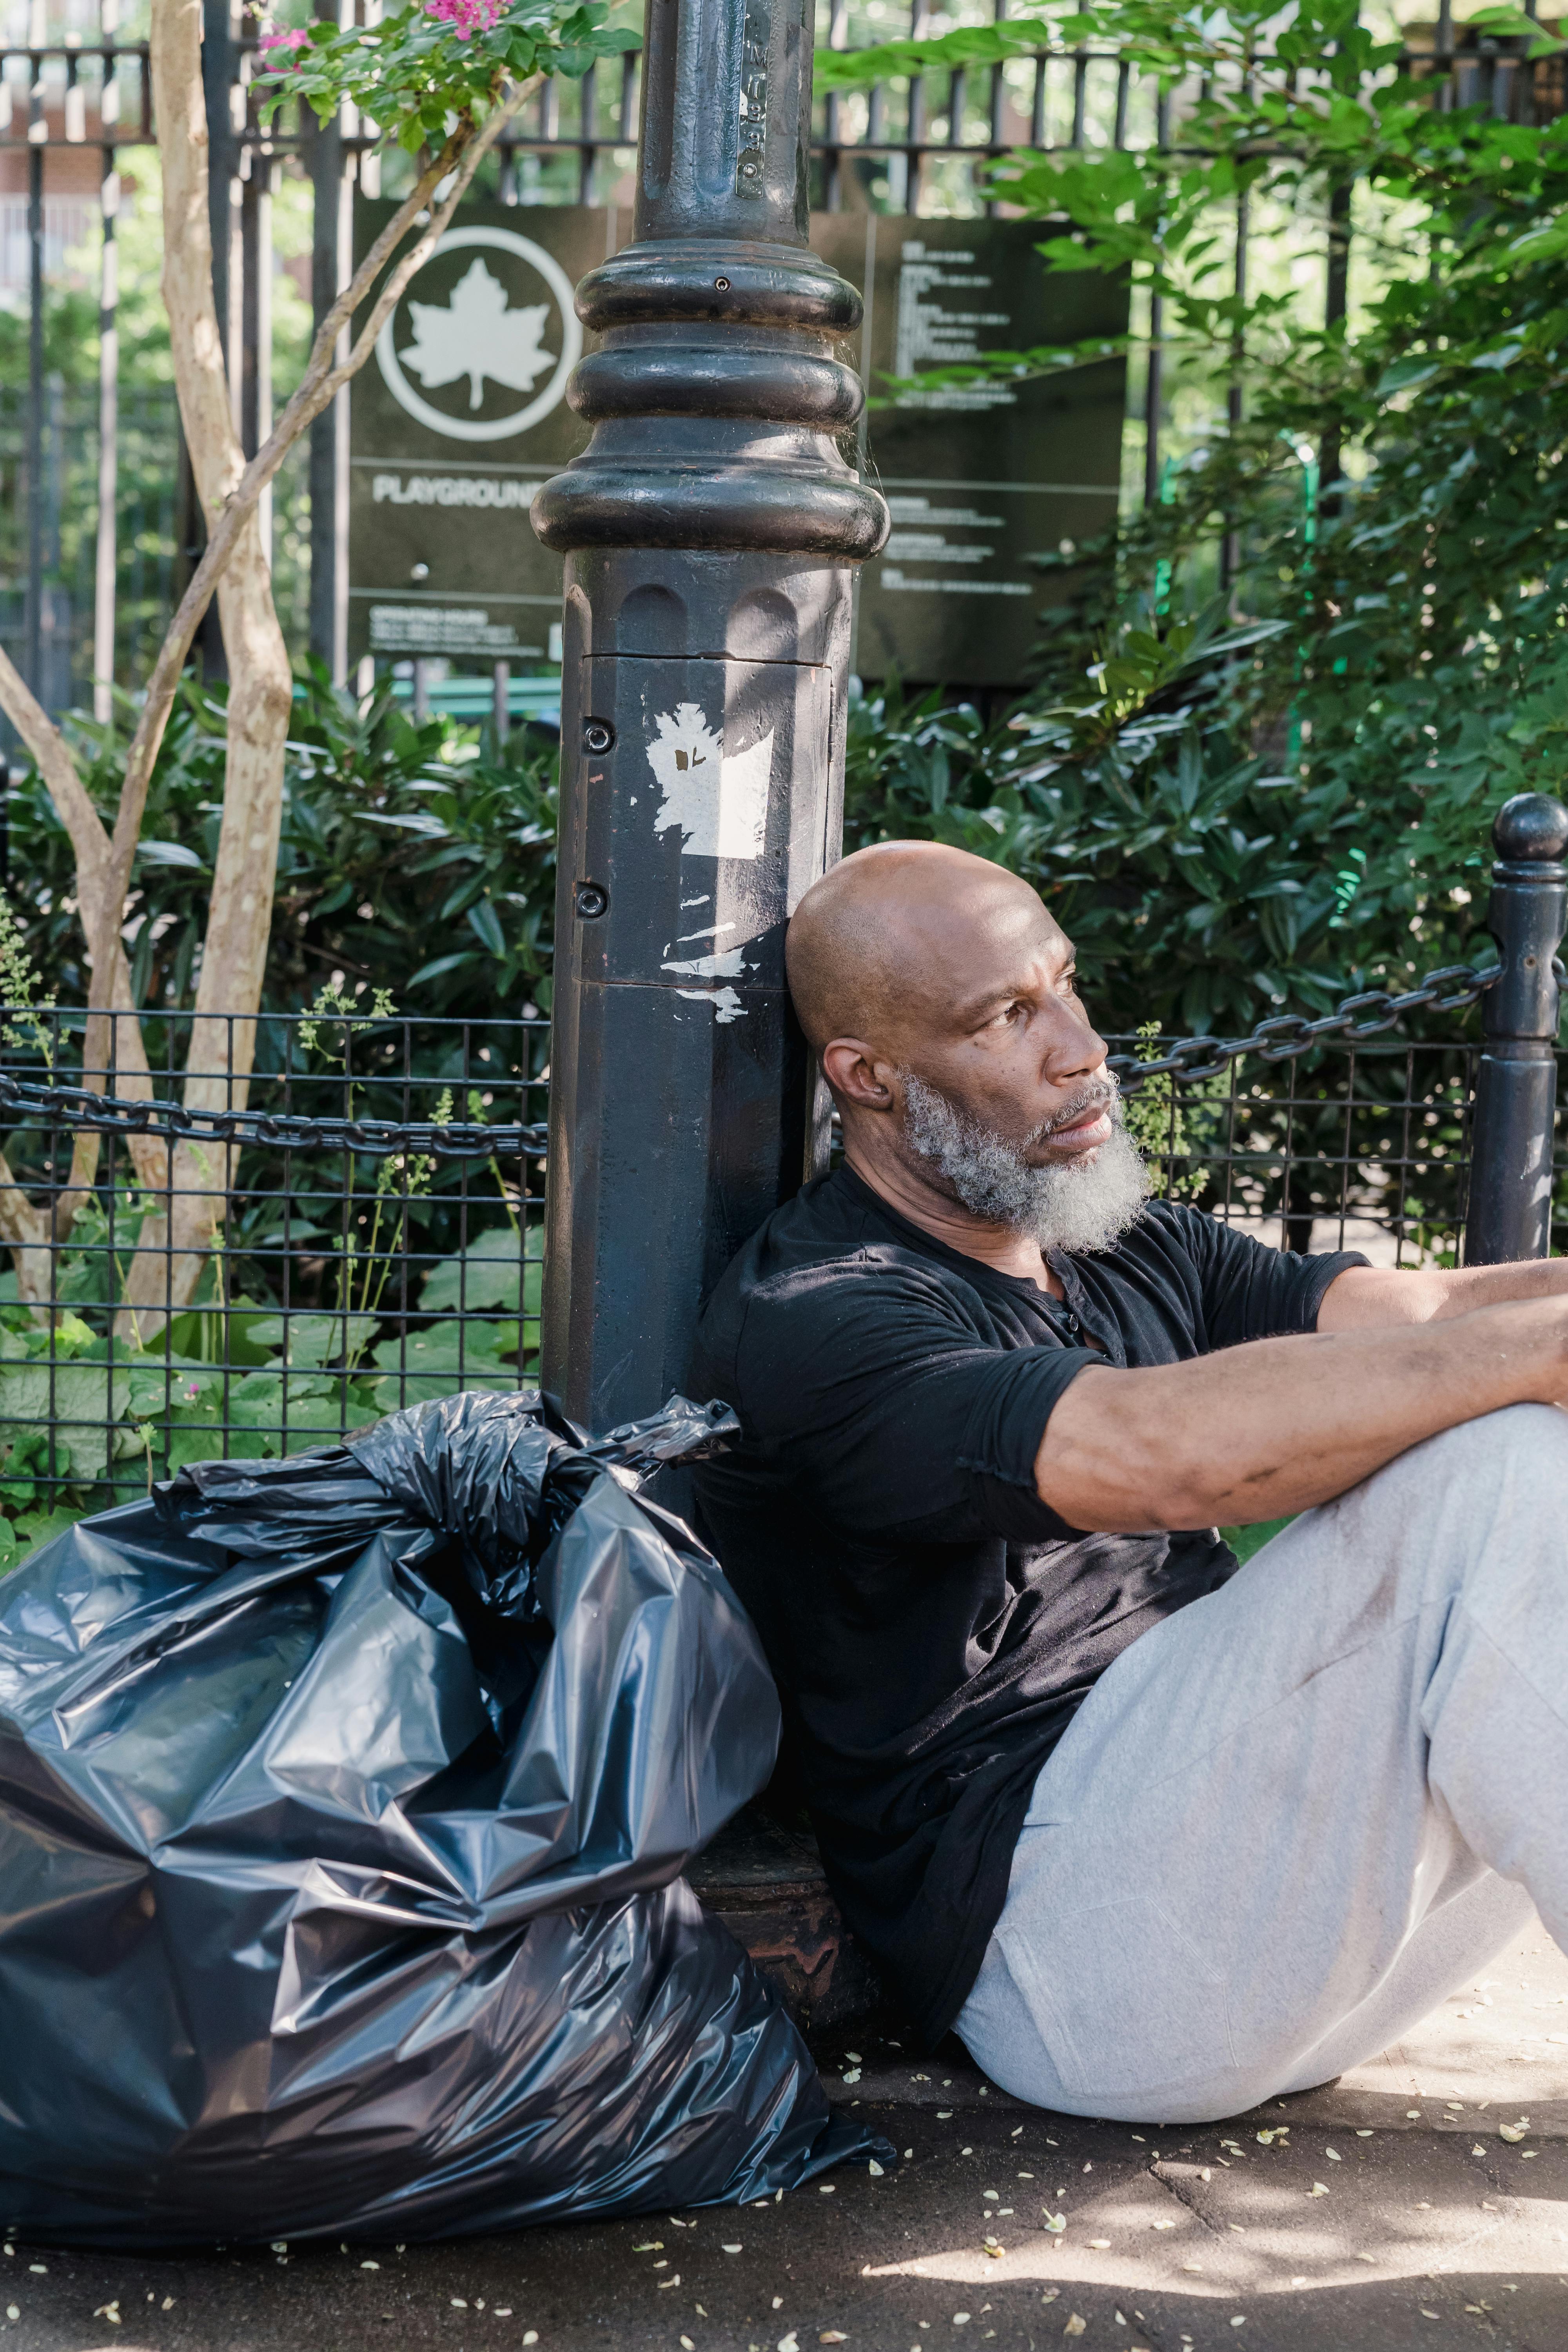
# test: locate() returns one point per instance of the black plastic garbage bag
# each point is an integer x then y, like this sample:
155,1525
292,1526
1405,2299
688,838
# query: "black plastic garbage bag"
344,1801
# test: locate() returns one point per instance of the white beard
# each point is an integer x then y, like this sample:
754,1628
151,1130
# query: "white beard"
1081,1204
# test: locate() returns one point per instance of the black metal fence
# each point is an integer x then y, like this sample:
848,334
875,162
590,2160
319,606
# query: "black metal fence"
1362,1146
368,1232
204,1265
240,1237
70,104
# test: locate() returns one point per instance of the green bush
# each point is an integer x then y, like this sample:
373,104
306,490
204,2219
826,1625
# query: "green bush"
408,862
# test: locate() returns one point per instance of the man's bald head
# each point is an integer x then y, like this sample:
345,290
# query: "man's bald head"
892,939
939,995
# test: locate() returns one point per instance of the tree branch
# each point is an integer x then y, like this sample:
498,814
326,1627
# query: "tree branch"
322,379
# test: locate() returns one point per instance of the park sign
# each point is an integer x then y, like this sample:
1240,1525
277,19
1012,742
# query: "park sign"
461,413
455,421
982,480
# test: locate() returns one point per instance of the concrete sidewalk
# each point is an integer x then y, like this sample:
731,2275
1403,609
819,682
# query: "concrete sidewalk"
1421,2201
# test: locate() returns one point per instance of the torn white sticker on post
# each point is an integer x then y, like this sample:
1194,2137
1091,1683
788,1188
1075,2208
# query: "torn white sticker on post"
727,1006
720,802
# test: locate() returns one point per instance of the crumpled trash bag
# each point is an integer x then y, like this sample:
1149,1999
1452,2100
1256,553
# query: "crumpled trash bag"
344,1801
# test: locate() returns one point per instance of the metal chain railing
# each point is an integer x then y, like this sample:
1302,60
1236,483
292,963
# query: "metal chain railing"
115,1115
1287,1034
1279,1039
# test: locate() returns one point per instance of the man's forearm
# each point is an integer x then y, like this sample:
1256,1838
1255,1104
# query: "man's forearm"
1255,1432
1365,1297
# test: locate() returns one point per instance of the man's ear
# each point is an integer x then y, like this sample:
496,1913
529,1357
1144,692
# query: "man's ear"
856,1076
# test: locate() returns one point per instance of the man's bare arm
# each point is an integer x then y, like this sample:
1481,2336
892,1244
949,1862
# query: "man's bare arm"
1365,1297
1255,1432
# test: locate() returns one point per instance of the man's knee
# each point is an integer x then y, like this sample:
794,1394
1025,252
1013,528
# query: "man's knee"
1527,1442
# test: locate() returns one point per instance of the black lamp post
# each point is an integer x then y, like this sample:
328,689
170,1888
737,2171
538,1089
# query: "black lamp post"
710,529
1509,1214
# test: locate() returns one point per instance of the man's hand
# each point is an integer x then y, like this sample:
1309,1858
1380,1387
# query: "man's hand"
1256,1432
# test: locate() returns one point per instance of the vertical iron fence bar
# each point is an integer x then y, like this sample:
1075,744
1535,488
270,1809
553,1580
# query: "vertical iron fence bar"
586,116
914,129
217,76
330,231
997,110
1154,382
1407,1111
103,598
1335,307
35,602
1347,1143
1124,93
832,159
1235,397
1509,1211
1080,96
1038,104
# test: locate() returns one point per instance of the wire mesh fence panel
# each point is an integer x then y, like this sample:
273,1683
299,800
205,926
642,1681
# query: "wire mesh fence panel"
1348,1146
355,1228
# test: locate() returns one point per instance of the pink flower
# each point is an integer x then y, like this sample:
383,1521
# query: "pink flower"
274,46
465,16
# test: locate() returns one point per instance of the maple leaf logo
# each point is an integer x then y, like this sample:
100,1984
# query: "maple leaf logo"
477,335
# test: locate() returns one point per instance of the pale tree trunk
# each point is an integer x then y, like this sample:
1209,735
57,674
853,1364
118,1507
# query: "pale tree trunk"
174,1247
194,1179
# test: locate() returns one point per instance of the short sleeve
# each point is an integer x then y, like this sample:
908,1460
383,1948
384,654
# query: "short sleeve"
1249,1290
870,1384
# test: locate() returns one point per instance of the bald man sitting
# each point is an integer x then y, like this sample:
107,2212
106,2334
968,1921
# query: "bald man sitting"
1162,1837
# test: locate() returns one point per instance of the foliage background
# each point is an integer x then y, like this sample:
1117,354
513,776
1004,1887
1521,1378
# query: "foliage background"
1233,800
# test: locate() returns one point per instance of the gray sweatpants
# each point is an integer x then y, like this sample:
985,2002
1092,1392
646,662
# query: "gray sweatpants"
1297,1814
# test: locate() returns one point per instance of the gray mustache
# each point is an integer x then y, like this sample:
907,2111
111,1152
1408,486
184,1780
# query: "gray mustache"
1101,1093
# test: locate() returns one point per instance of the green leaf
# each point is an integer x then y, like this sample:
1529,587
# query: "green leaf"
311,1338
490,1273
485,923
37,1529
455,1345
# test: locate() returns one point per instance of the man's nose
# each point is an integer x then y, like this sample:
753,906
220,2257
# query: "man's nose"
1076,1055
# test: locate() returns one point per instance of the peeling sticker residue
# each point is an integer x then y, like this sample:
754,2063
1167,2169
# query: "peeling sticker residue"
727,1005
709,931
728,963
720,802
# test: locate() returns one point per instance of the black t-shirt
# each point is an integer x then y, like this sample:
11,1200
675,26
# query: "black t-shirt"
931,1624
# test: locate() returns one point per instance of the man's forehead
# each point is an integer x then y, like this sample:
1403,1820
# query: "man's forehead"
1012,943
